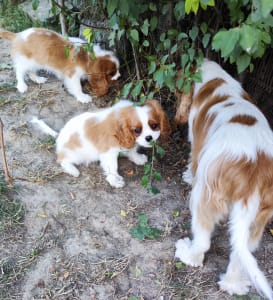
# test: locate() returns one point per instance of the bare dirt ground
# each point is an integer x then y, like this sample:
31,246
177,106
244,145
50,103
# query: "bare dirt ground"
74,242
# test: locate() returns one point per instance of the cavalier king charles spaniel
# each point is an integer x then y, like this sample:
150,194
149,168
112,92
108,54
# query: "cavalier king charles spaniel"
35,48
102,135
231,172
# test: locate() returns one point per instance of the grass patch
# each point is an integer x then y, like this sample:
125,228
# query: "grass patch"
11,211
13,18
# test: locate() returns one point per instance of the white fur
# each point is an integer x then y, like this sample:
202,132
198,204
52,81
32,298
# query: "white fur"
232,141
88,152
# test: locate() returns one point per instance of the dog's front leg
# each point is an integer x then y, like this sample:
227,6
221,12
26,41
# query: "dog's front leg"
109,164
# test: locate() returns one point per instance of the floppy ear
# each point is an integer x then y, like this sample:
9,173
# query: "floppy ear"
165,128
124,134
183,102
98,82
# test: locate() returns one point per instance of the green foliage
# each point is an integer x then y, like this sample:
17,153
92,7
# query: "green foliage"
251,35
150,174
142,230
14,18
11,210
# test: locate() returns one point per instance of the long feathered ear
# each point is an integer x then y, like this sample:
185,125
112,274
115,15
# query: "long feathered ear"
165,128
98,83
123,132
183,104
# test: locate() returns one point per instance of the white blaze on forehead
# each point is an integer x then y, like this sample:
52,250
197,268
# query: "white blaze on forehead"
26,33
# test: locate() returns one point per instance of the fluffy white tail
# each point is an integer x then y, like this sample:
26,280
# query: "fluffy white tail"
46,129
256,276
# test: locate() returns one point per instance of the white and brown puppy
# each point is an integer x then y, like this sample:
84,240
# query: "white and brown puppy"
35,48
231,173
102,135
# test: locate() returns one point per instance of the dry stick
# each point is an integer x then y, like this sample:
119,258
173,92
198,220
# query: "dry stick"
5,165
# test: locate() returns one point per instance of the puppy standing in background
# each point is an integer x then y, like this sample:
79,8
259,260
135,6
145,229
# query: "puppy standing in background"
102,135
231,172
35,48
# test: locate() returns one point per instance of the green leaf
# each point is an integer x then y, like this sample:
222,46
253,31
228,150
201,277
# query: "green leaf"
243,62
267,7
126,89
146,43
157,176
111,6
144,180
147,169
137,89
206,39
152,7
35,4
142,219
152,67
134,35
226,41
145,27
193,33
159,77
160,151
247,38
153,23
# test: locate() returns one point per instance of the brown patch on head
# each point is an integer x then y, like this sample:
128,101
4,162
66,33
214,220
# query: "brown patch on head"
119,129
158,119
243,120
102,69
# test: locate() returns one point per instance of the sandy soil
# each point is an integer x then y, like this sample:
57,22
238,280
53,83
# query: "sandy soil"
75,242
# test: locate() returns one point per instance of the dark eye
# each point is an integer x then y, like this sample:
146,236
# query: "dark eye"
137,131
154,126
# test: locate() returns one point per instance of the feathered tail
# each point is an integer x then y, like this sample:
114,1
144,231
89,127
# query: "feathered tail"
45,128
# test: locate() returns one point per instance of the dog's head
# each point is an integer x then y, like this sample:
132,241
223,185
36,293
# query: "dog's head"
104,71
142,125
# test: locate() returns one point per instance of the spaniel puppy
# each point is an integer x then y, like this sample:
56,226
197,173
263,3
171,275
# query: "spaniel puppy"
102,135
231,173
35,48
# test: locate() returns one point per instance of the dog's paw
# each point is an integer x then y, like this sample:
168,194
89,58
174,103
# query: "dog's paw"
70,169
84,98
234,285
188,255
139,159
187,176
115,181
22,87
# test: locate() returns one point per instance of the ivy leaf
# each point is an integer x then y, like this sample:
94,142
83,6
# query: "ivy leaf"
159,77
134,35
137,89
191,5
147,169
35,4
144,180
267,7
152,67
157,176
242,62
193,33
205,40
226,41
111,6
145,27
153,23
126,89
247,38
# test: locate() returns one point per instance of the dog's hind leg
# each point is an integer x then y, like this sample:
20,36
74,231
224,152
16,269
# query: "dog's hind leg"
192,252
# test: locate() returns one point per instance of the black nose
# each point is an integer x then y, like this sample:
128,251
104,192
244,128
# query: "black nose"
148,138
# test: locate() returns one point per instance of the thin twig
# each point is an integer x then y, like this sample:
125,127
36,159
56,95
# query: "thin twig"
5,165
136,62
